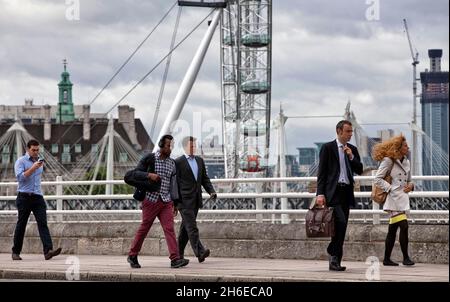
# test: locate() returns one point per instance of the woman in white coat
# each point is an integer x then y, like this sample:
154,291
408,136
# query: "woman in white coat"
393,156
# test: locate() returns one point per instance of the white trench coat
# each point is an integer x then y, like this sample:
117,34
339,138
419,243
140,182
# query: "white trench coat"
396,200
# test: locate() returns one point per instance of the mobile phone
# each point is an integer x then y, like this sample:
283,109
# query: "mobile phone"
41,160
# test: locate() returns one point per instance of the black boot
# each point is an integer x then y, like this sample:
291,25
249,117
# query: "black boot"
404,242
389,262
339,262
334,264
408,261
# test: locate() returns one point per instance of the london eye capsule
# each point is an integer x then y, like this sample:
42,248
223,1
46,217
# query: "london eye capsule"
203,3
255,40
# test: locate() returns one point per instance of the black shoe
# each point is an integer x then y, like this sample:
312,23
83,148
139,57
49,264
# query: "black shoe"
50,254
336,267
334,264
133,261
203,256
343,268
389,262
408,261
16,257
179,263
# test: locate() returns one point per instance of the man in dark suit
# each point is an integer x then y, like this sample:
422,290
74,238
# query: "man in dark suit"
338,161
191,175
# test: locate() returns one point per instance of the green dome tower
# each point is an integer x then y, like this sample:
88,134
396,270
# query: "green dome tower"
65,106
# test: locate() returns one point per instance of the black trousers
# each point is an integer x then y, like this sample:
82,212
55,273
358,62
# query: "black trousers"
341,213
189,232
26,204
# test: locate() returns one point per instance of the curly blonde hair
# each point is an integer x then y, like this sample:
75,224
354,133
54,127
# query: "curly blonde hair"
390,148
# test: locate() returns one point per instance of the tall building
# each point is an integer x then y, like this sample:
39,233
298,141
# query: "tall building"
212,153
308,159
307,156
434,102
385,134
292,166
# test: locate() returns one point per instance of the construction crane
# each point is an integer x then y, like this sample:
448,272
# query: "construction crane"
414,127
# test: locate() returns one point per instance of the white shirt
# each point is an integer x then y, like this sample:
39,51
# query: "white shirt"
343,177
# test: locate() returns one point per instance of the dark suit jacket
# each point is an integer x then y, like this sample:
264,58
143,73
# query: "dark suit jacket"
329,169
190,196
138,177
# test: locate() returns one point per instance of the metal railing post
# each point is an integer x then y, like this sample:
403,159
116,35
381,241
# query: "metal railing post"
59,202
259,204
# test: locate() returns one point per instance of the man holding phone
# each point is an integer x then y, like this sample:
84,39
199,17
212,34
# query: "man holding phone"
28,170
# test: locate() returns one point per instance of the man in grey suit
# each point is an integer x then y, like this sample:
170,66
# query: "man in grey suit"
191,175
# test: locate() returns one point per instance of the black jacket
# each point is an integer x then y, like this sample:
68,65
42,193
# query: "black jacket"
190,190
138,178
329,169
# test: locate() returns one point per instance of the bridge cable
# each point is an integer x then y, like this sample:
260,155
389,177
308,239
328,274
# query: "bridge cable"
159,63
166,71
148,73
123,65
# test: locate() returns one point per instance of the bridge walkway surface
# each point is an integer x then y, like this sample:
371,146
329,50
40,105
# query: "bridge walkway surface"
214,269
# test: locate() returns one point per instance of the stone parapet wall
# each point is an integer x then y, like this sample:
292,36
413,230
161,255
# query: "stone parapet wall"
428,243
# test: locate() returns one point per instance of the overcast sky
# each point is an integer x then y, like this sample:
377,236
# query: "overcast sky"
324,54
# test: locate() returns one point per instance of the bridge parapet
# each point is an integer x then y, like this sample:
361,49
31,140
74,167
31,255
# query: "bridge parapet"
428,242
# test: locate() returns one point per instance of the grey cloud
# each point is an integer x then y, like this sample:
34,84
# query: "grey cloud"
346,17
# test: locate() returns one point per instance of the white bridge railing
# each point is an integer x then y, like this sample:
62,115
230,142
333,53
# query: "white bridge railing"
376,212
226,180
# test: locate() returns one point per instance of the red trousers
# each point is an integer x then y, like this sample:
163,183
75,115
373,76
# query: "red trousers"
164,212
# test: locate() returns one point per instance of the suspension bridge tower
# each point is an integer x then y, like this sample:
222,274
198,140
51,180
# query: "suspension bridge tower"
246,35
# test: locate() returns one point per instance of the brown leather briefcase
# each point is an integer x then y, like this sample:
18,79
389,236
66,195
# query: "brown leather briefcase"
319,222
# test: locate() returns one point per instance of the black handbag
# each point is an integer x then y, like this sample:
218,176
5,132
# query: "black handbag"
139,195
139,179
319,222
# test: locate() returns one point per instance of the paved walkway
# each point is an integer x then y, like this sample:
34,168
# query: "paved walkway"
155,268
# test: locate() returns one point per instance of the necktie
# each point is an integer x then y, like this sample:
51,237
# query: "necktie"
348,166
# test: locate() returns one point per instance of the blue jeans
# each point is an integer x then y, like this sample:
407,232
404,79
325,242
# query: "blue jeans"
25,205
